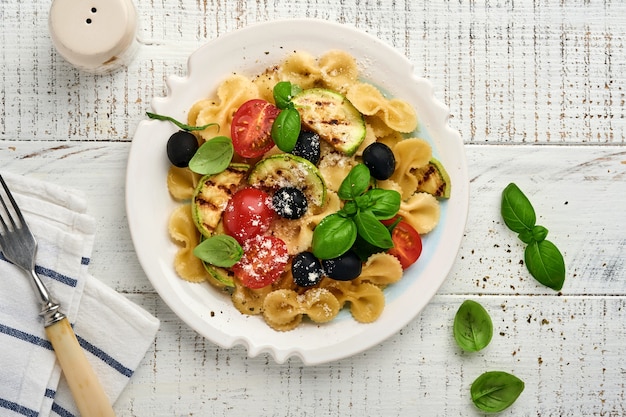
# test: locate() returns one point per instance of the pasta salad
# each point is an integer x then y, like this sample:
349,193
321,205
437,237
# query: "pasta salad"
315,201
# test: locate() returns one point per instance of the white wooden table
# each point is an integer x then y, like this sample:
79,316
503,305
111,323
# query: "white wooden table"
537,91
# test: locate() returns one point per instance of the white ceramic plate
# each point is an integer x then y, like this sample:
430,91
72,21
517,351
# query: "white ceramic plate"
210,312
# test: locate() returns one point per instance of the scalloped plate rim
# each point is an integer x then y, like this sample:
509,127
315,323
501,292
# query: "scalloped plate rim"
143,147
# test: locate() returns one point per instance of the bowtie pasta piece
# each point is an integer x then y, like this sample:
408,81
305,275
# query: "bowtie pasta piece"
410,154
301,69
421,211
181,182
397,114
381,269
283,309
231,94
339,70
366,300
183,231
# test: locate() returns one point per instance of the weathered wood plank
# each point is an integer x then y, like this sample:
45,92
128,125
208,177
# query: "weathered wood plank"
520,72
579,194
568,350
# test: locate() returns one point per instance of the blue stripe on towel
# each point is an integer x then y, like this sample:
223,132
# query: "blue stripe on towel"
94,350
61,411
105,357
30,338
16,408
56,276
72,282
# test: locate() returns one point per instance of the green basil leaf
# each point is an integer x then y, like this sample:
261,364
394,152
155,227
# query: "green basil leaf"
283,93
545,263
180,125
372,230
364,249
539,233
350,208
386,203
495,391
286,129
333,236
526,236
472,327
219,250
517,212
213,156
356,183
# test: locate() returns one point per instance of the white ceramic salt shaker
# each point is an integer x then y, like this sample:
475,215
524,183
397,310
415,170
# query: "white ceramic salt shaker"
97,36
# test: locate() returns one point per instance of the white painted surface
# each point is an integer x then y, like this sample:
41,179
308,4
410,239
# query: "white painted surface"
536,90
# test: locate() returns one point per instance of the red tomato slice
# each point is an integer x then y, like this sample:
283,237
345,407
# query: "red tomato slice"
407,244
248,213
251,128
263,262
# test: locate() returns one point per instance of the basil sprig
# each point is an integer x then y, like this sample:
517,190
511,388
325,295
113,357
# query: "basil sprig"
359,218
473,328
495,391
543,259
213,156
180,125
286,127
219,250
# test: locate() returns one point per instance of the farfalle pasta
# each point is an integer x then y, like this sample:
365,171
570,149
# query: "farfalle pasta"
285,305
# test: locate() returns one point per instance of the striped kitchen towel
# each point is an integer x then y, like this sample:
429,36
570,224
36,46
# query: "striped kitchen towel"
114,332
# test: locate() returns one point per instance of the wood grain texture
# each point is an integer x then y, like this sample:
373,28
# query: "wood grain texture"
521,72
566,346
536,89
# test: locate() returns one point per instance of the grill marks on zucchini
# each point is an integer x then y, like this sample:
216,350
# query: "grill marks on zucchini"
433,179
212,195
333,117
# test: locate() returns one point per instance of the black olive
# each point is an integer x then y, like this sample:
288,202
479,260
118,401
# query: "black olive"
308,146
379,158
289,202
306,269
181,147
345,267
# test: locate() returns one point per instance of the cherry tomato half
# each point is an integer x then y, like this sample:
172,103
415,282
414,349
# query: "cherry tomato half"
248,213
263,262
251,128
407,244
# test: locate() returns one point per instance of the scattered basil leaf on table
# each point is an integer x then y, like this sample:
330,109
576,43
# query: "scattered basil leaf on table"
517,212
180,125
543,259
219,250
495,391
213,156
473,328
545,262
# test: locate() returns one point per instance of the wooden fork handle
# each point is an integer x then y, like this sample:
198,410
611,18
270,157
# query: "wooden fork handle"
87,391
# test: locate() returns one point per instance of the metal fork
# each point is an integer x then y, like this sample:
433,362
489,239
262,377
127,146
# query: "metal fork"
19,246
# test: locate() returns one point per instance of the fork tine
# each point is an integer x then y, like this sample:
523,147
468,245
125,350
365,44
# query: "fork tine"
16,208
